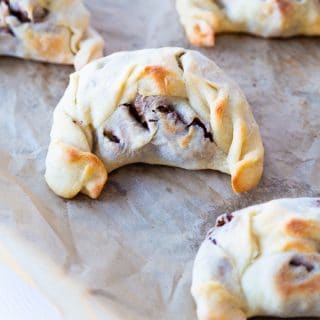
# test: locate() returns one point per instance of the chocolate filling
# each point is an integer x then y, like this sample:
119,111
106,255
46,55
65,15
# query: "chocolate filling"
299,262
111,136
223,220
199,123
178,58
136,115
157,104
21,15
169,109
165,109
39,13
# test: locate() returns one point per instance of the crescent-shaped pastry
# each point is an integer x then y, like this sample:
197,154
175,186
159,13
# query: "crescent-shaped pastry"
261,261
202,19
166,106
54,31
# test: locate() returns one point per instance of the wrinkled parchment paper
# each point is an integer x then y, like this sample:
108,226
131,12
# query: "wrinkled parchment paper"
134,247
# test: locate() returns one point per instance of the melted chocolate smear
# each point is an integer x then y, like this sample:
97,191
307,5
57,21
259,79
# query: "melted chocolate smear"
169,109
135,114
299,262
111,136
22,16
199,123
178,58
165,109
39,13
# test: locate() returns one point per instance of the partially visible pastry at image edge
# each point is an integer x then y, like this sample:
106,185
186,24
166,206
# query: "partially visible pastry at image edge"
167,106
261,261
55,31
202,19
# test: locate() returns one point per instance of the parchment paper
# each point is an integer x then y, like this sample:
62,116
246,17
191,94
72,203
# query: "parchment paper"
134,247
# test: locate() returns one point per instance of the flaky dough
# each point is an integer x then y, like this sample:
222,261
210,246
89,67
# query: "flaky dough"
52,31
202,19
261,261
165,106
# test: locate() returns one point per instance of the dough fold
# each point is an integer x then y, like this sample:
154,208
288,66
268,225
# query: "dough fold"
261,261
166,106
203,19
50,31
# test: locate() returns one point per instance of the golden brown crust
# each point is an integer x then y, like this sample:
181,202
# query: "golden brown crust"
303,228
184,142
202,19
70,171
247,175
222,306
201,34
289,284
164,79
47,46
300,246
59,34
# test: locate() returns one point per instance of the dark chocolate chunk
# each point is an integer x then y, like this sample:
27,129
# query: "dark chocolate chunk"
111,136
214,241
300,262
224,219
221,222
199,123
229,216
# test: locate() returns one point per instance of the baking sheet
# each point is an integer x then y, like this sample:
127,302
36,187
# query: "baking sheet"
134,247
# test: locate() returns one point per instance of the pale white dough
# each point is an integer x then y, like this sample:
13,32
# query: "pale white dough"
261,261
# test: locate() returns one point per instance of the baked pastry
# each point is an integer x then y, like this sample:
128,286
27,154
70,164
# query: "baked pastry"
166,106
263,260
202,19
53,31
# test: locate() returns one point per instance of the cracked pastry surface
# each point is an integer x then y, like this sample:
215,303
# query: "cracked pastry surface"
51,31
261,261
166,106
202,19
